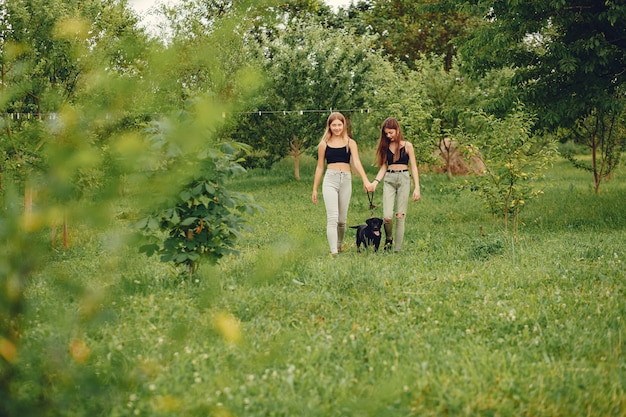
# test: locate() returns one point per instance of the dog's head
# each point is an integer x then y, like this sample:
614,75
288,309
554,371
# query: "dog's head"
374,224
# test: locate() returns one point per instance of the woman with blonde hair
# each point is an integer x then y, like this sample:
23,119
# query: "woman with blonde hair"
395,155
340,153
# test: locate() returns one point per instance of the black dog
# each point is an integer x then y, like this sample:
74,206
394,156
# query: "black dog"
369,233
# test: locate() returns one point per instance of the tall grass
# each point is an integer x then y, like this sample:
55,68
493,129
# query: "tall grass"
465,321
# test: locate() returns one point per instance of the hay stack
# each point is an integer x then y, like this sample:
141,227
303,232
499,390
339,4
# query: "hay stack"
454,163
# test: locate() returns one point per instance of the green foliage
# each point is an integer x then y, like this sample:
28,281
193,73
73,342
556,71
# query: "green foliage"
308,72
557,49
78,83
432,101
419,122
568,62
515,159
568,59
411,30
20,254
205,217
20,150
51,55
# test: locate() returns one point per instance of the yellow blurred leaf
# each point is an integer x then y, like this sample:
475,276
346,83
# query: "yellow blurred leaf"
70,27
79,350
167,403
228,326
8,350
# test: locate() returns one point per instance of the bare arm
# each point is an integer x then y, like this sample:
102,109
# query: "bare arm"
319,170
413,166
356,163
379,177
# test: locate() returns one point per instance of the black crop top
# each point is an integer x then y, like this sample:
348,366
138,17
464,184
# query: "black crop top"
403,160
337,155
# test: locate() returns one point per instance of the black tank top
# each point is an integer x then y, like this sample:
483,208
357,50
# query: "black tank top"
402,160
337,155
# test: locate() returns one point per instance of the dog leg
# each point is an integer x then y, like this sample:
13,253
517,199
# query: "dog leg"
388,229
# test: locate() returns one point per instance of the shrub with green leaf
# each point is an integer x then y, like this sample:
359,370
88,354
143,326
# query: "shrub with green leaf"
515,158
204,219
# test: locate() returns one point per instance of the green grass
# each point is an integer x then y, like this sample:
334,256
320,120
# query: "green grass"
466,321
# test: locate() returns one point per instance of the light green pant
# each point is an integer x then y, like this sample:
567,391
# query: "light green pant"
396,191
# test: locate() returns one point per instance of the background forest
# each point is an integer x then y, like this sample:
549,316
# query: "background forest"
143,172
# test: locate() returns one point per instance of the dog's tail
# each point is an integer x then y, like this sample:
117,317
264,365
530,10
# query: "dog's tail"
356,227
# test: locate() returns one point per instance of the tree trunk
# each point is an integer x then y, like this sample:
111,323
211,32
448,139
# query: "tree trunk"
594,165
445,150
297,148
296,166
65,233
53,233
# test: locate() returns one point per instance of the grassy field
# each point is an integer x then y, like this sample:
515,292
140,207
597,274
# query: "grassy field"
465,321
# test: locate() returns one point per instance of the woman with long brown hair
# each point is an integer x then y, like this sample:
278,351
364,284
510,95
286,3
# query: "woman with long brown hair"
395,156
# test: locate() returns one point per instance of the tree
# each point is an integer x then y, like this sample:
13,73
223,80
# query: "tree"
447,97
568,59
409,30
515,159
604,135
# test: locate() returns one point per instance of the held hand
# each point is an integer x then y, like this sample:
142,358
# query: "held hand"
370,187
314,197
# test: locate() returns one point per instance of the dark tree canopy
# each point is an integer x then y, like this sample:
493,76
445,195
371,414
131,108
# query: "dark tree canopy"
569,57
409,30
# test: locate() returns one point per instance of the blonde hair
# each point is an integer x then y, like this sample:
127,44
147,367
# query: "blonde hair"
328,133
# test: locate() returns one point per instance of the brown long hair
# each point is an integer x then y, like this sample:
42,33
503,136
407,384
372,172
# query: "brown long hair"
384,141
